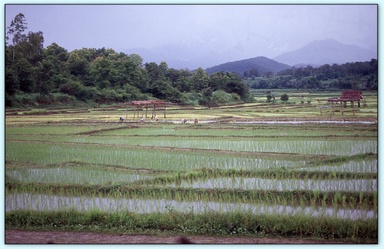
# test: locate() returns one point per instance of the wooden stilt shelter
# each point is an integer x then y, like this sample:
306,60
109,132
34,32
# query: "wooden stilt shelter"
140,105
346,96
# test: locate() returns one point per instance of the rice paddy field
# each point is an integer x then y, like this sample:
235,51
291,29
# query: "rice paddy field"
253,170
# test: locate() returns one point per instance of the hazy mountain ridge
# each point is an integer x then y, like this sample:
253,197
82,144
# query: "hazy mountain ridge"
326,52
316,53
261,64
182,55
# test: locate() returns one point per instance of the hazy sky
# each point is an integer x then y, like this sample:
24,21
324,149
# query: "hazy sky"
253,30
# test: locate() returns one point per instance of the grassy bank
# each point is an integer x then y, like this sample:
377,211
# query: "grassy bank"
214,224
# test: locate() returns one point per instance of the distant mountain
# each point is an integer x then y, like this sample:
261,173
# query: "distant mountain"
155,56
182,55
194,53
261,64
326,52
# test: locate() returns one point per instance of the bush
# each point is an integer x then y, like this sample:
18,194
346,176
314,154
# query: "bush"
222,97
192,98
45,99
64,98
284,97
71,88
271,97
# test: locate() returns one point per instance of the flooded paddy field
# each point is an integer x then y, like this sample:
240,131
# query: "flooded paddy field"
218,178
38,202
362,185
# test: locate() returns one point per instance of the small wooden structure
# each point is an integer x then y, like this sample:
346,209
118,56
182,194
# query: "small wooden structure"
346,96
141,105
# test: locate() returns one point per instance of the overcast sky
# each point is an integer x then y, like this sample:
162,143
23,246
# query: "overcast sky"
257,30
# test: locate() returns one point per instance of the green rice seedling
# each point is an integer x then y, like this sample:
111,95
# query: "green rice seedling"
134,157
74,175
282,185
282,145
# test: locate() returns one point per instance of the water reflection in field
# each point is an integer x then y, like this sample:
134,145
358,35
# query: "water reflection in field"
366,166
357,185
39,202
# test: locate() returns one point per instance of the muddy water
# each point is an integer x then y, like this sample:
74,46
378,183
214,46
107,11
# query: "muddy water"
26,201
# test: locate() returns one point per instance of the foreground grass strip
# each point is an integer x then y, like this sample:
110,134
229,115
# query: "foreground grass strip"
212,223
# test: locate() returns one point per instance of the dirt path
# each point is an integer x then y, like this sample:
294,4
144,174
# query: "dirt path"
44,237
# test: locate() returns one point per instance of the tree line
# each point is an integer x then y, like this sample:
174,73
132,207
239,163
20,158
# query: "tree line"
34,74
354,75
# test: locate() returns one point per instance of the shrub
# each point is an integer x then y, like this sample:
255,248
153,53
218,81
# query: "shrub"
45,99
222,97
284,97
270,97
65,98
71,88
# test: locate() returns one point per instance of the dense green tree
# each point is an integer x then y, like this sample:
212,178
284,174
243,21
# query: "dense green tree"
59,52
236,85
129,72
11,81
154,72
199,80
183,84
207,98
34,46
218,81
163,89
101,71
16,32
136,59
25,76
44,76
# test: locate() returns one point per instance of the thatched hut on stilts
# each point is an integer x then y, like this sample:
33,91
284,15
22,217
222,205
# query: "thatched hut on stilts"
141,105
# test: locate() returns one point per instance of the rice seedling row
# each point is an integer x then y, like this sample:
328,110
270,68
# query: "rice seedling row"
39,202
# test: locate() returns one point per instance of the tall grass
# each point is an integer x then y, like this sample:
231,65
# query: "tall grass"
211,223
